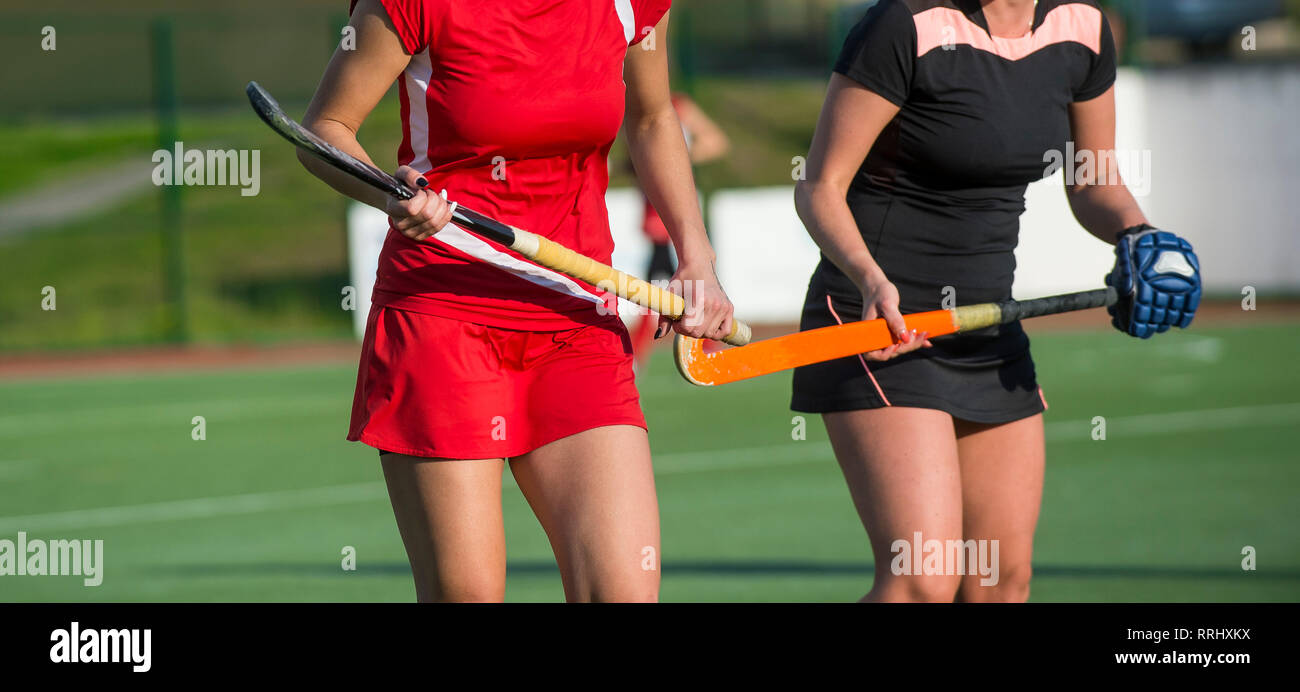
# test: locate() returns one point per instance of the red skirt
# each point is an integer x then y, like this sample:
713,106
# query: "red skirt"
431,386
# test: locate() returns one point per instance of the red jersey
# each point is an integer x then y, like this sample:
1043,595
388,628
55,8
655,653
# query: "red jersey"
512,108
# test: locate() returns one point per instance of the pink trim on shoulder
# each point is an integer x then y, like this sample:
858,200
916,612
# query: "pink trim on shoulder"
862,360
1073,22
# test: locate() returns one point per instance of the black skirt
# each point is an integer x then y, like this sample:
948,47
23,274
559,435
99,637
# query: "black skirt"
985,376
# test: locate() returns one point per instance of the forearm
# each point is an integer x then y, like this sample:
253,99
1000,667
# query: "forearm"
1105,210
826,215
663,168
345,140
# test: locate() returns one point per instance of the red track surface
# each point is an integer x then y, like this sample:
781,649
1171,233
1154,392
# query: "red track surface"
199,358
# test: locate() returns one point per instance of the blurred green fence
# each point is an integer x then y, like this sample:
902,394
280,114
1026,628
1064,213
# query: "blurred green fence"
217,52
278,42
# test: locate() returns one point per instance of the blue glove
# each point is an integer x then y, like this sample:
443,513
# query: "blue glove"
1158,279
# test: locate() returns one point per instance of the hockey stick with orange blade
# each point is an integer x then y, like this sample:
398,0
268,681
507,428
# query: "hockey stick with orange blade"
705,365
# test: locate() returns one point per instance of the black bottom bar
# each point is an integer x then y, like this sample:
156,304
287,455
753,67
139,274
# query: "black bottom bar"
988,642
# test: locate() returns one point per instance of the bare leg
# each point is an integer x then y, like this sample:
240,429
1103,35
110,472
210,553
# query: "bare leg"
449,515
901,468
594,494
1002,491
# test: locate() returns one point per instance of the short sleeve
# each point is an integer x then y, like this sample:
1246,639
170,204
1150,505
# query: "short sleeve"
880,52
410,18
1103,68
647,14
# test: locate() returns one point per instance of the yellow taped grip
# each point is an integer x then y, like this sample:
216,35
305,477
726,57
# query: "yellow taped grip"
972,317
552,255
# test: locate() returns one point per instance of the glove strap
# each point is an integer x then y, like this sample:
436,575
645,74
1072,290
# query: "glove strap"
1131,230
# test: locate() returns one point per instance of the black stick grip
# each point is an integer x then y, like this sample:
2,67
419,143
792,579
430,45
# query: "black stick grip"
1013,310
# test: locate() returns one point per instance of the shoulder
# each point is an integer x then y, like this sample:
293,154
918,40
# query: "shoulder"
1078,21
641,15
887,17
650,9
416,21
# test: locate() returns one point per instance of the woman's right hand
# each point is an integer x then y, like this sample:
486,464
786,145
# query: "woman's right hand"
424,214
880,300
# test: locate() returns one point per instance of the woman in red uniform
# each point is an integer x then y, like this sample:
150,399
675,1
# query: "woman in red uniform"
474,356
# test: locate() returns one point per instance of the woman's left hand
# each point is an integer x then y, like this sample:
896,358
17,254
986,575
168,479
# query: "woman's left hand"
708,310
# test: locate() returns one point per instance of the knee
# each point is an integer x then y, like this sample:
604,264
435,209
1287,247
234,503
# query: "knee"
1012,586
632,595
638,589
890,588
460,589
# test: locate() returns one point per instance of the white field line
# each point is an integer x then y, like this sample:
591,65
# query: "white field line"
665,465
1118,427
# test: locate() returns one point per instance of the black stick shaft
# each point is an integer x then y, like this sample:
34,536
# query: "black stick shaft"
1013,310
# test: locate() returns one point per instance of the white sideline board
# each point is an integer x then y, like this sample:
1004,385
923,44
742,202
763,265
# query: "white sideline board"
1233,195
367,228
765,256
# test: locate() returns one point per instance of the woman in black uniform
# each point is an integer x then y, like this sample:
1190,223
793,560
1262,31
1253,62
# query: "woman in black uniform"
939,115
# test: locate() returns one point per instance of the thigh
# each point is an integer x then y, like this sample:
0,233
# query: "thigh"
594,494
902,472
1002,470
449,515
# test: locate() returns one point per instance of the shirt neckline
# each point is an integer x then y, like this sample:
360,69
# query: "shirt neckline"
975,12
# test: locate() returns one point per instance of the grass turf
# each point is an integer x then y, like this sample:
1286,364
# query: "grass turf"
261,509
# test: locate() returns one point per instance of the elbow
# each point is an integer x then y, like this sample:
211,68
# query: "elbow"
305,159
801,195
803,192
809,193
638,122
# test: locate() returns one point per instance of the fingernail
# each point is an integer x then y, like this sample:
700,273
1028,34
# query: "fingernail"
422,182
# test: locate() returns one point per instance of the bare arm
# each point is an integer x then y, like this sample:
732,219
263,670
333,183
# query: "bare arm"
851,120
353,84
658,150
1099,198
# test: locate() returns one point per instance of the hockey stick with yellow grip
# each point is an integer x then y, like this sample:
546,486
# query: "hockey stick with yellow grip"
706,367
543,251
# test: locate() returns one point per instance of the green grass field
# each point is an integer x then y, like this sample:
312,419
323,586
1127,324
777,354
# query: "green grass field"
1200,461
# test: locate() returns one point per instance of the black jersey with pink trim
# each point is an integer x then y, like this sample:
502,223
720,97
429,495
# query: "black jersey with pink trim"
940,195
